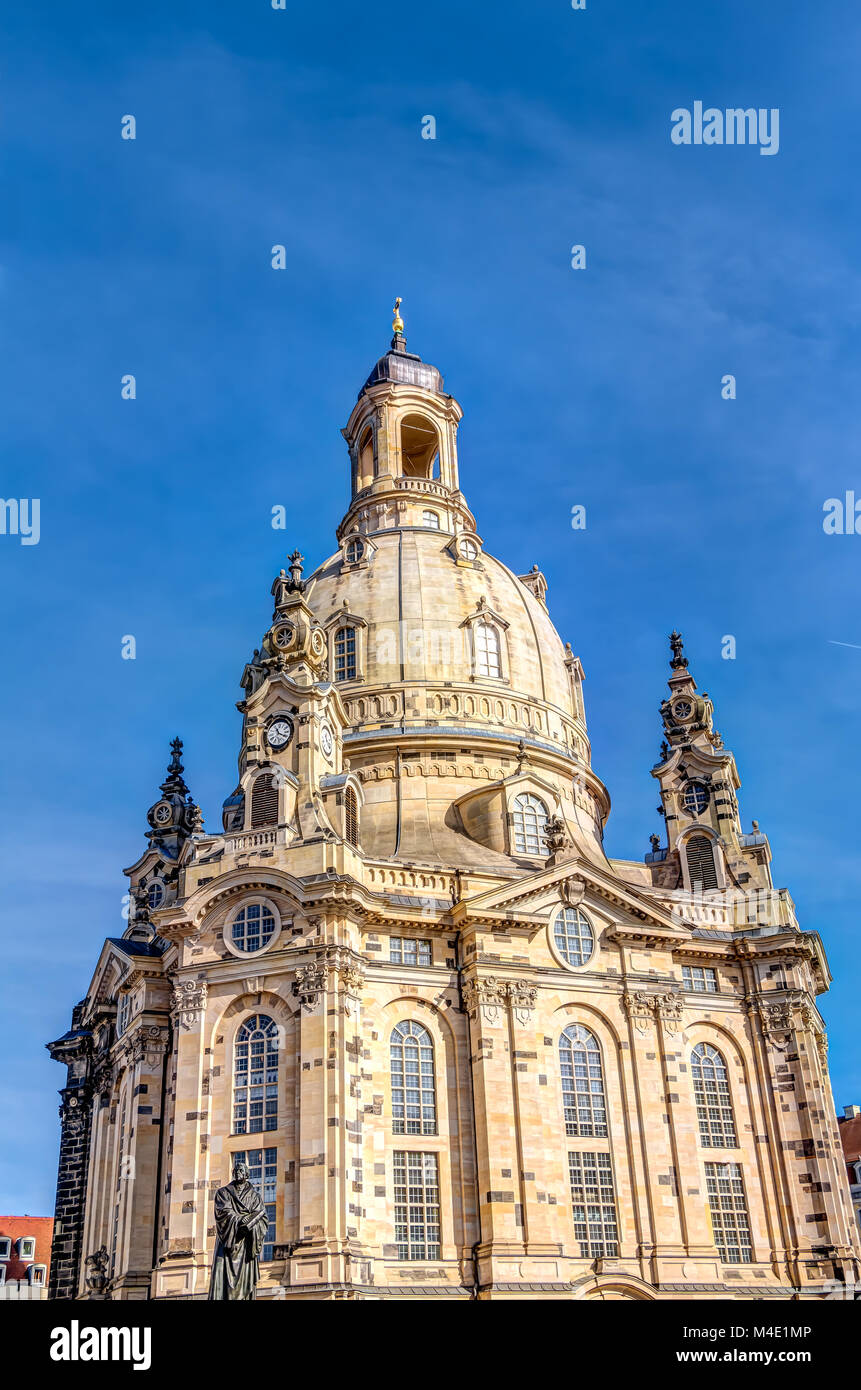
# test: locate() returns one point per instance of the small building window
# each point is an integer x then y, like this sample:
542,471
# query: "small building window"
417,1224
262,1165
36,1274
345,654
253,927
696,798
410,950
5,1247
529,817
728,1207
27,1248
353,551
124,1012
574,937
431,519
700,978
255,1076
701,862
155,894
413,1083
582,1084
487,652
467,549
351,817
593,1202
264,801
712,1098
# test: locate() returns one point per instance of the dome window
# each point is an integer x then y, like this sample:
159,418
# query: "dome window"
467,548
354,552
487,653
529,818
431,519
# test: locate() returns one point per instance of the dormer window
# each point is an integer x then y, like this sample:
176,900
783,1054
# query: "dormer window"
5,1247
27,1248
353,552
345,654
487,652
467,548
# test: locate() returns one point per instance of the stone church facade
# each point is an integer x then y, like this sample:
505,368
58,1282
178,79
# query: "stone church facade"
463,1053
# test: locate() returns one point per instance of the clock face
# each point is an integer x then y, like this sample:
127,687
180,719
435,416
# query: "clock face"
327,742
280,732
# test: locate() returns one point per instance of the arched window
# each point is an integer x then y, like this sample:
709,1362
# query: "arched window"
431,519
712,1098
351,817
413,1085
255,1076
582,1083
419,447
264,801
353,551
574,937
701,862
530,822
487,660
345,654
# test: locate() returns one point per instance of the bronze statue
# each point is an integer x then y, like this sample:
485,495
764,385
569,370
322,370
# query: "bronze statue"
241,1223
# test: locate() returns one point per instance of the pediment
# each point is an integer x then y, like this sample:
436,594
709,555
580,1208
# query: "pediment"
527,901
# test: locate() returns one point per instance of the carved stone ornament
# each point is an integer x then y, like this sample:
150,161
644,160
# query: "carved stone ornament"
640,1006
555,834
668,1008
73,1114
572,891
776,1020
148,1044
97,1270
310,984
104,1076
487,996
188,1002
522,997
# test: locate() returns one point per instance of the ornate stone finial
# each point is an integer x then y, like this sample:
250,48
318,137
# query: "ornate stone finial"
555,834
665,750
296,584
755,824
397,321
655,842
679,661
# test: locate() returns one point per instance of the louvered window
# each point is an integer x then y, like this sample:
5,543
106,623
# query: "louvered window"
701,862
351,817
264,801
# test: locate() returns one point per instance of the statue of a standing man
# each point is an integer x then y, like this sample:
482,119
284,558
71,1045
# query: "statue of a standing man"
241,1223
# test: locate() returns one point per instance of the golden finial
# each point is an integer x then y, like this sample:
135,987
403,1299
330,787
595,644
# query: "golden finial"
397,321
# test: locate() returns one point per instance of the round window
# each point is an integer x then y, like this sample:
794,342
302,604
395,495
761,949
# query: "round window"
155,895
354,551
682,709
696,798
468,549
574,937
253,927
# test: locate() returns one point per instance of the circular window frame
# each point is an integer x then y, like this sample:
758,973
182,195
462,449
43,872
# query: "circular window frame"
551,938
160,884
468,542
227,930
692,785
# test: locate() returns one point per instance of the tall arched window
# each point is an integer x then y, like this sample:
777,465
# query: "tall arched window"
255,1076
701,861
487,655
529,817
582,1083
712,1098
264,801
345,654
413,1084
351,817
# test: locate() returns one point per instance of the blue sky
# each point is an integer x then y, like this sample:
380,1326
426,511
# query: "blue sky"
599,387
